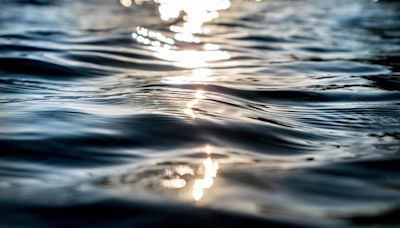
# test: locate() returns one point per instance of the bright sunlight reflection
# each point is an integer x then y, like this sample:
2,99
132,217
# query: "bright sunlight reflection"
179,177
210,172
200,75
194,13
191,104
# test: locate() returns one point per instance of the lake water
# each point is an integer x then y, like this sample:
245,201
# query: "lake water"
199,113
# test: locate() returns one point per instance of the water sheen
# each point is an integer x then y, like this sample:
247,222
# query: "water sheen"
199,113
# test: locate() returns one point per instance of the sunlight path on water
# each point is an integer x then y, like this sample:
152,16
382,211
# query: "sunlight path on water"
196,14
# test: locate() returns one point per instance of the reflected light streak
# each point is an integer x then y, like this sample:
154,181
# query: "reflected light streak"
201,75
178,177
148,37
191,104
190,58
208,149
210,172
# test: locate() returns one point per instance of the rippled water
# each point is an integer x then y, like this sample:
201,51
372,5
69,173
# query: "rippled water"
199,113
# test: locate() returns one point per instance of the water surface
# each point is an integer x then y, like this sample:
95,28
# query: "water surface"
199,113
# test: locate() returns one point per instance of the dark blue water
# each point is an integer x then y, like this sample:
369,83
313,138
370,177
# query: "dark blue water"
199,113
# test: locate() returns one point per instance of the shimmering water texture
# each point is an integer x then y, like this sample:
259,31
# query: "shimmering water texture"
199,113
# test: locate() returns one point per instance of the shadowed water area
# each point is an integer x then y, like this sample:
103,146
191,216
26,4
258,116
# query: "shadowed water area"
199,113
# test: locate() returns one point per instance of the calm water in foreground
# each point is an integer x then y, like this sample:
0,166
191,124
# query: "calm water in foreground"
199,113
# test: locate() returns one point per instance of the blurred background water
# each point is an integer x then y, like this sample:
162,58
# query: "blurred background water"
199,113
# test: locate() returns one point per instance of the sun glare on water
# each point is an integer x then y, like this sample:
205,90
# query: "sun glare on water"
186,49
194,14
180,177
210,172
